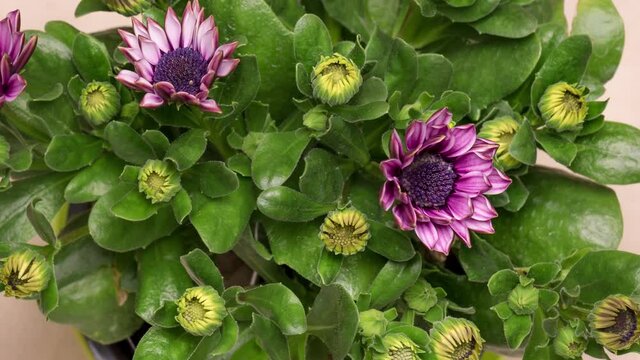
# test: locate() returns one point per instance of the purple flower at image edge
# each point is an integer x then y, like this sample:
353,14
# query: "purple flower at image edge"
437,184
178,63
14,55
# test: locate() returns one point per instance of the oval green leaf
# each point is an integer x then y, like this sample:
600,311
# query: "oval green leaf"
285,204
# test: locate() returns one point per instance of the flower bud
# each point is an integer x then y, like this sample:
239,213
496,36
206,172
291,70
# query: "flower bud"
25,273
563,106
345,231
614,322
399,347
159,181
315,119
501,131
99,102
200,310
456,339
421,297
372,322
568,345
335,80
523,299
128,7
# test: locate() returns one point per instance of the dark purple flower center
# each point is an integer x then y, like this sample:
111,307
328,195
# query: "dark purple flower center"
428,180
625,326
183,68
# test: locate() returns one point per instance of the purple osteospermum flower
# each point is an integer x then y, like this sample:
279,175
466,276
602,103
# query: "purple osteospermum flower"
14,55
178,63
440,181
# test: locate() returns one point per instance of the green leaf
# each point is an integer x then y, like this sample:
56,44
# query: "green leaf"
285,204
91,58
202,270
352,15
242,85
270,338
115,234
158,141
611,155
303,81
215,179
40,224
482,260
328,267
220,221
127,144
516,329
346,139
434,75
134,206
563,214
181,205
20,159
458,103
279,304
72,152
372,90
311,40
186,150
333,318
523,145
94,181
502,282
219,343
359,271
559,148
393,279
240,163
608,40
268,170
509,21
364,112
162,280
62,31
471,13
388,242
57,114
49,297
567,62
499,67
543,273
89,6
322,178
289,11
460,3
166,344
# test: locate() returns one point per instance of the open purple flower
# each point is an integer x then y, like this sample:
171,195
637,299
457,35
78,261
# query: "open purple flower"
438,183
14,54
178,63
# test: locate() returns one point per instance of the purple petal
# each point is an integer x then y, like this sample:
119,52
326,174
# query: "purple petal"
388,194
226,67
215,61
128,78
139,29
5,35
150,51
405,216
485,148
207,80
14,20
131,54
391,168
173,28
228,49
151,101
210,106
473,183
5,70
158,36
144,69
26,53
438,216
445,239
16,47
472,162
164,89
440,117
484,227
499,182
144,85
207,43
185,97
14,87
188,27
129,39
463,138
460,206
427,234
416,135
462,231
395,146
482,209
203,93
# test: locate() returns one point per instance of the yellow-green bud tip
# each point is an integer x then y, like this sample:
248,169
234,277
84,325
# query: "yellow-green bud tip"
24,274
501,131
456,339
159,181
335,80
398,347
523,299
568,345
563,106
200,310
128,7
345,231
99,102
421,297
614,322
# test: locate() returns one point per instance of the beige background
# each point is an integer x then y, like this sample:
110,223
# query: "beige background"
25,335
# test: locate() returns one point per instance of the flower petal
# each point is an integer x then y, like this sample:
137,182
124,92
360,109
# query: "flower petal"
150,50
14,20
462,231
128,78
460,206
463,138
482,209
130,39
173,28
226,67
188,27
14,87
210,106
185,97
139,29
228,49
388,194
427,234
405,216
499,182
131,54
5,70
25,54
445,239
473,183
151,101
472,162
484,227
440,117
144,69
391,168
206,44
158,36
416,135
438,216
164,89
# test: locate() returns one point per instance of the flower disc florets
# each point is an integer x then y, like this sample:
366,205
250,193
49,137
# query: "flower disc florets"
345,232
563,106
335,80
200,310
614,322
25,273
159,181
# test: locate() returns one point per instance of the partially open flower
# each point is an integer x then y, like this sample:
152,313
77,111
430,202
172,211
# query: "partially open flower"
14,54
159,181
25,273
178,63
564,106
568,345
200,310
501,131
614,322
437,185
456,339
345,231
399,347
128,7
99,102
335,80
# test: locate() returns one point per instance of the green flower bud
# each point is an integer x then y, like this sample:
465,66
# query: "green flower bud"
128,7
200,310
399,347
523,300
315,119
614,322
99,102
563,106
335,80
159,181
345,231
421,297
25,273
456,339
501,131
372,323
568,345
